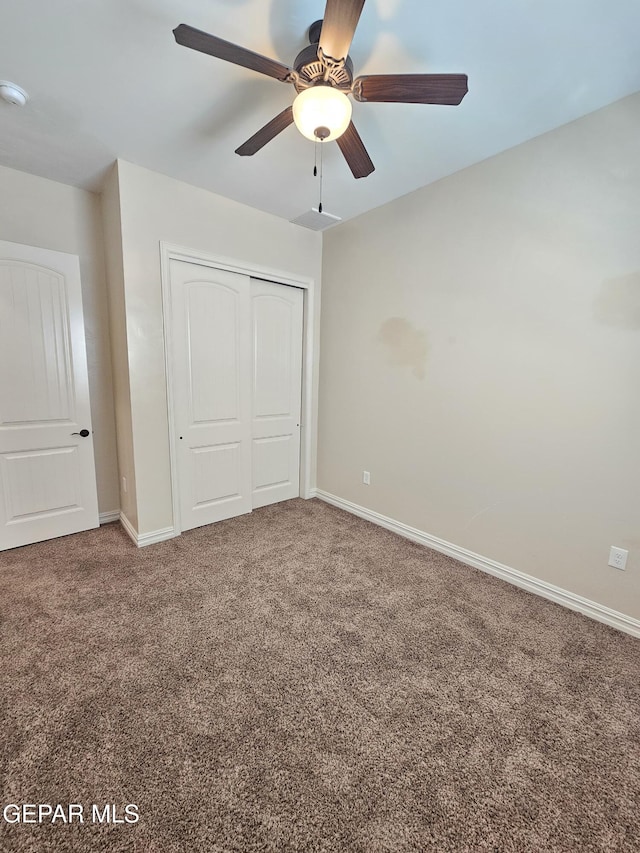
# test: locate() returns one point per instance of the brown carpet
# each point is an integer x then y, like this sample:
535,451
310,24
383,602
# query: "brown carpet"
299,679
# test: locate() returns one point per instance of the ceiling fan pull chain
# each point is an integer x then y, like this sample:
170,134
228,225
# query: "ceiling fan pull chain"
315,165
320,203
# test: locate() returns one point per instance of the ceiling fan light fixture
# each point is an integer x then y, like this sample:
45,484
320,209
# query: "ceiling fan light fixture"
322,112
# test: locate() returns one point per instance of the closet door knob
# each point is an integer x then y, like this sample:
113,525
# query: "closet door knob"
83,432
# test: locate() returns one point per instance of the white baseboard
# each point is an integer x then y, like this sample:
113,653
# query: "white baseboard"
108,517
546,590
129,528
143,539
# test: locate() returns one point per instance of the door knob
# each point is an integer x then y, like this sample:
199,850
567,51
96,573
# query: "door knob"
83,432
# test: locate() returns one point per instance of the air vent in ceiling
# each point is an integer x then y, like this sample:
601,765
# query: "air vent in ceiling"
315,220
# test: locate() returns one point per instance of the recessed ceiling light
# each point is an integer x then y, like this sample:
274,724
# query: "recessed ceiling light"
13,94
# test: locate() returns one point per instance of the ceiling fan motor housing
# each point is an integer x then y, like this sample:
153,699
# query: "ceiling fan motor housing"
311,69
314,32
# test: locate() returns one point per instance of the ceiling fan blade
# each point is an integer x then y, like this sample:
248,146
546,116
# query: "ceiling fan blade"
411,88
338,26
205,43
266,133
355,153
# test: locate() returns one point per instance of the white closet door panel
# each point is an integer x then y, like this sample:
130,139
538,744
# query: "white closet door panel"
274,461
211,383
213,331
217,473
47,473
273,326
277,387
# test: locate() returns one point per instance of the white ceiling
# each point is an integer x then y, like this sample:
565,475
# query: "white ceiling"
106,79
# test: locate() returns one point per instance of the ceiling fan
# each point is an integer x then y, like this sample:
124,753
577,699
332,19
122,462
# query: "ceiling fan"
322,75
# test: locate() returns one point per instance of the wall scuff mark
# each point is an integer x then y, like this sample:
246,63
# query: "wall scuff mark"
406,346
618,303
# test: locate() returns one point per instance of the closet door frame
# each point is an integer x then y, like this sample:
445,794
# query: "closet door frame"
169,252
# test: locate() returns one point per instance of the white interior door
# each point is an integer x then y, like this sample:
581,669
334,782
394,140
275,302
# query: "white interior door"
277,390
47,471
211,361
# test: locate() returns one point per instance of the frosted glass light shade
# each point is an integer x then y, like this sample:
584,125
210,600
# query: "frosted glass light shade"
322,107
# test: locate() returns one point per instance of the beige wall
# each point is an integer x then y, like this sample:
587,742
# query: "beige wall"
481,357
155,208
119,346
39,212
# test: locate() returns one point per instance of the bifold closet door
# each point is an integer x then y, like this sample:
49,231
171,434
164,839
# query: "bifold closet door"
277,388
211,361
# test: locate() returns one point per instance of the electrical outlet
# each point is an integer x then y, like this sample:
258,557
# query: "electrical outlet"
618,558
366,478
